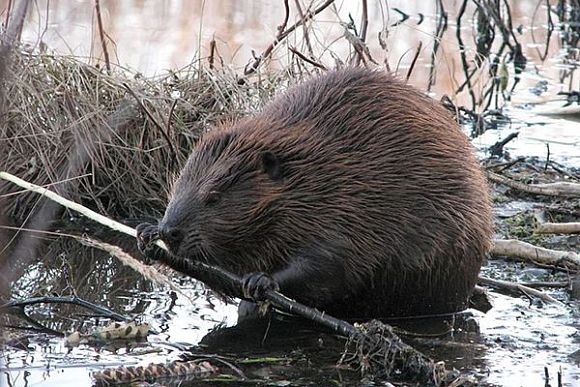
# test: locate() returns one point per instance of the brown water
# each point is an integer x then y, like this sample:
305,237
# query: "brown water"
153,36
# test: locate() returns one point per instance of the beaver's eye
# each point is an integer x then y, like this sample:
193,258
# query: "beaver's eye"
212,197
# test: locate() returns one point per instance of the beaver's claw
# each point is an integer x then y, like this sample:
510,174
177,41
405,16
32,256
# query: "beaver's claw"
147,233
255,286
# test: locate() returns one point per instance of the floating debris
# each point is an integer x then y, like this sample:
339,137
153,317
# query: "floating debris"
189,370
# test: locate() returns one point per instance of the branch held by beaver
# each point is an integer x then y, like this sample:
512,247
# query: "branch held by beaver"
390,355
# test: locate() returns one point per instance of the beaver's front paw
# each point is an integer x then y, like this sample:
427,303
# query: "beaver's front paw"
147,233
256,285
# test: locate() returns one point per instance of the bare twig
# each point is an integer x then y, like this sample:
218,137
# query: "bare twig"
283,32
364,24
550,30
497,148
102,35
563,189
305,59
462,49
514,287
279,36
439,31
304,29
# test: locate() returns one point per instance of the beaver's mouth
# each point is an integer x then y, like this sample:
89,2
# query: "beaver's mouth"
172,237
190,247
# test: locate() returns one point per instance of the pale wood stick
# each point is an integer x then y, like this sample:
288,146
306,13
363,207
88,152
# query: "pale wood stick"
535,254
550,189
75,206
558,228
519,288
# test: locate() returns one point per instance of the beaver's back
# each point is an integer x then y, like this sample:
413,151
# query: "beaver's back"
393,174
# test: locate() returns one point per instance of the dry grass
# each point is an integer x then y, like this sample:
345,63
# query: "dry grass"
111,142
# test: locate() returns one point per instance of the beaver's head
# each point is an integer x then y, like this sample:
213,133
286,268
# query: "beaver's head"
222,202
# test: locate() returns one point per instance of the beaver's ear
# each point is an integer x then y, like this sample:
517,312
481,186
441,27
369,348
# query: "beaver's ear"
271,165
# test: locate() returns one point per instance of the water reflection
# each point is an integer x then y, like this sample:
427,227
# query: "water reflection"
153,36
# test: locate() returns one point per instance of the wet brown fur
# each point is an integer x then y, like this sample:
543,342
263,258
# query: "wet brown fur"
377,207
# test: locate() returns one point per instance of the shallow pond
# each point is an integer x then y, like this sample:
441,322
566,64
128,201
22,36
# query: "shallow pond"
518,340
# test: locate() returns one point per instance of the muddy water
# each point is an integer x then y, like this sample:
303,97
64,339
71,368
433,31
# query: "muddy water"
519,338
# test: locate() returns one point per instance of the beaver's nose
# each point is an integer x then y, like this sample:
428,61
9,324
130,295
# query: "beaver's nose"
171,235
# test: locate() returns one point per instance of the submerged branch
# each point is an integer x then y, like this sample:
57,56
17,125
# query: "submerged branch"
514,287
69,204
99,310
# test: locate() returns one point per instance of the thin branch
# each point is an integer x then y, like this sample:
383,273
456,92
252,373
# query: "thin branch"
414,61
462,48
306,59
305,29
364,24
69,204
439,31
281,35
519,288
102,35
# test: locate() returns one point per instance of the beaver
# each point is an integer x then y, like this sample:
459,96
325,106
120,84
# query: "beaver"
351,192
